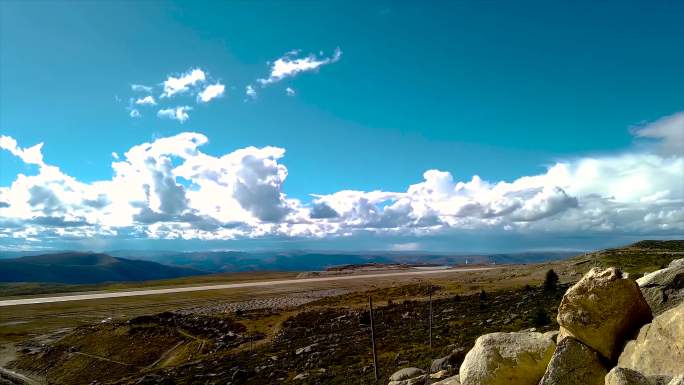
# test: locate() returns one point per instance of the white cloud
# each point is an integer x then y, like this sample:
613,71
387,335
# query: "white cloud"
669,131
290,92
182,83
146,101
210,92
134,113
169,188
179,113
141,88
250,92
31,155
289,65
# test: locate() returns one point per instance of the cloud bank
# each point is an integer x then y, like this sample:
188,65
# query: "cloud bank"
170,189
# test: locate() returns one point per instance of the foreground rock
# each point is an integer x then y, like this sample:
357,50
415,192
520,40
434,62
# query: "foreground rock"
659,347
664,289
408,376
506,359
602,310
574,363
624,376
448,363
455,380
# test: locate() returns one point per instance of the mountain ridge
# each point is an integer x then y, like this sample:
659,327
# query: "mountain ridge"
84,267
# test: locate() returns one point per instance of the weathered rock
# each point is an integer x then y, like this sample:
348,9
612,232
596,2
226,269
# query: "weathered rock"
455,380
602,310
444,363
507,358
552,334
664,288
407,376
659,347
574,363
306,349
678,380
624,376
439,375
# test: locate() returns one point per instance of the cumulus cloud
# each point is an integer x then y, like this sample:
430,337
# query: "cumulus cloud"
169,189
290,65
182,83
290,92
134,113
179,113
146,101
210,92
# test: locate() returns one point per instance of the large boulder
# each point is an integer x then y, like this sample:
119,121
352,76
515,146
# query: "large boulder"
659,347
574,363
664,288
624,376
602,310
407,376
507,358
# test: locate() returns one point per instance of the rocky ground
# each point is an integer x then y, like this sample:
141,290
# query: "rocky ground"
610,334
323,336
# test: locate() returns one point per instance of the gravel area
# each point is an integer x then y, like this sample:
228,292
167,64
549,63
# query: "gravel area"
273,303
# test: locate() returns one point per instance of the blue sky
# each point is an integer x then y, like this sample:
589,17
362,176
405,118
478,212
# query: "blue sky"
500,90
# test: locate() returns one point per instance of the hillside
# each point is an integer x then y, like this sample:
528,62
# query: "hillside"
79,268
638,258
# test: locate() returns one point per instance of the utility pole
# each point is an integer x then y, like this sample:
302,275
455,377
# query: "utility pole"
375,355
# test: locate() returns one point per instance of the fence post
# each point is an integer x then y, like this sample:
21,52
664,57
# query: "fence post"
375,355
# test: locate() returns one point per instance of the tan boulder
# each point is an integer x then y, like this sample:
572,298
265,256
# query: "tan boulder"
506,359
659,347
574,363
602,310
624,376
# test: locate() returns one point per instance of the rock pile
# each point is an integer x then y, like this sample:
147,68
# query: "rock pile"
608,335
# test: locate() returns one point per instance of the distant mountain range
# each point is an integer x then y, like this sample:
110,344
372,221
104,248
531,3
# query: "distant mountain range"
231,261
79,268
131,265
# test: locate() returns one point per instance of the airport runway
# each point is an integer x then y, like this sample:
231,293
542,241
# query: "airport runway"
185,289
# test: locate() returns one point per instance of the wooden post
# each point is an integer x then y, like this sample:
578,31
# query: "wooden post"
375,356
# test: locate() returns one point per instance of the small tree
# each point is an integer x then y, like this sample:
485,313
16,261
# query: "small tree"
540,317
551,281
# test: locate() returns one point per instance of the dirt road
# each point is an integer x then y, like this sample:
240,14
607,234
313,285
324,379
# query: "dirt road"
185,289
